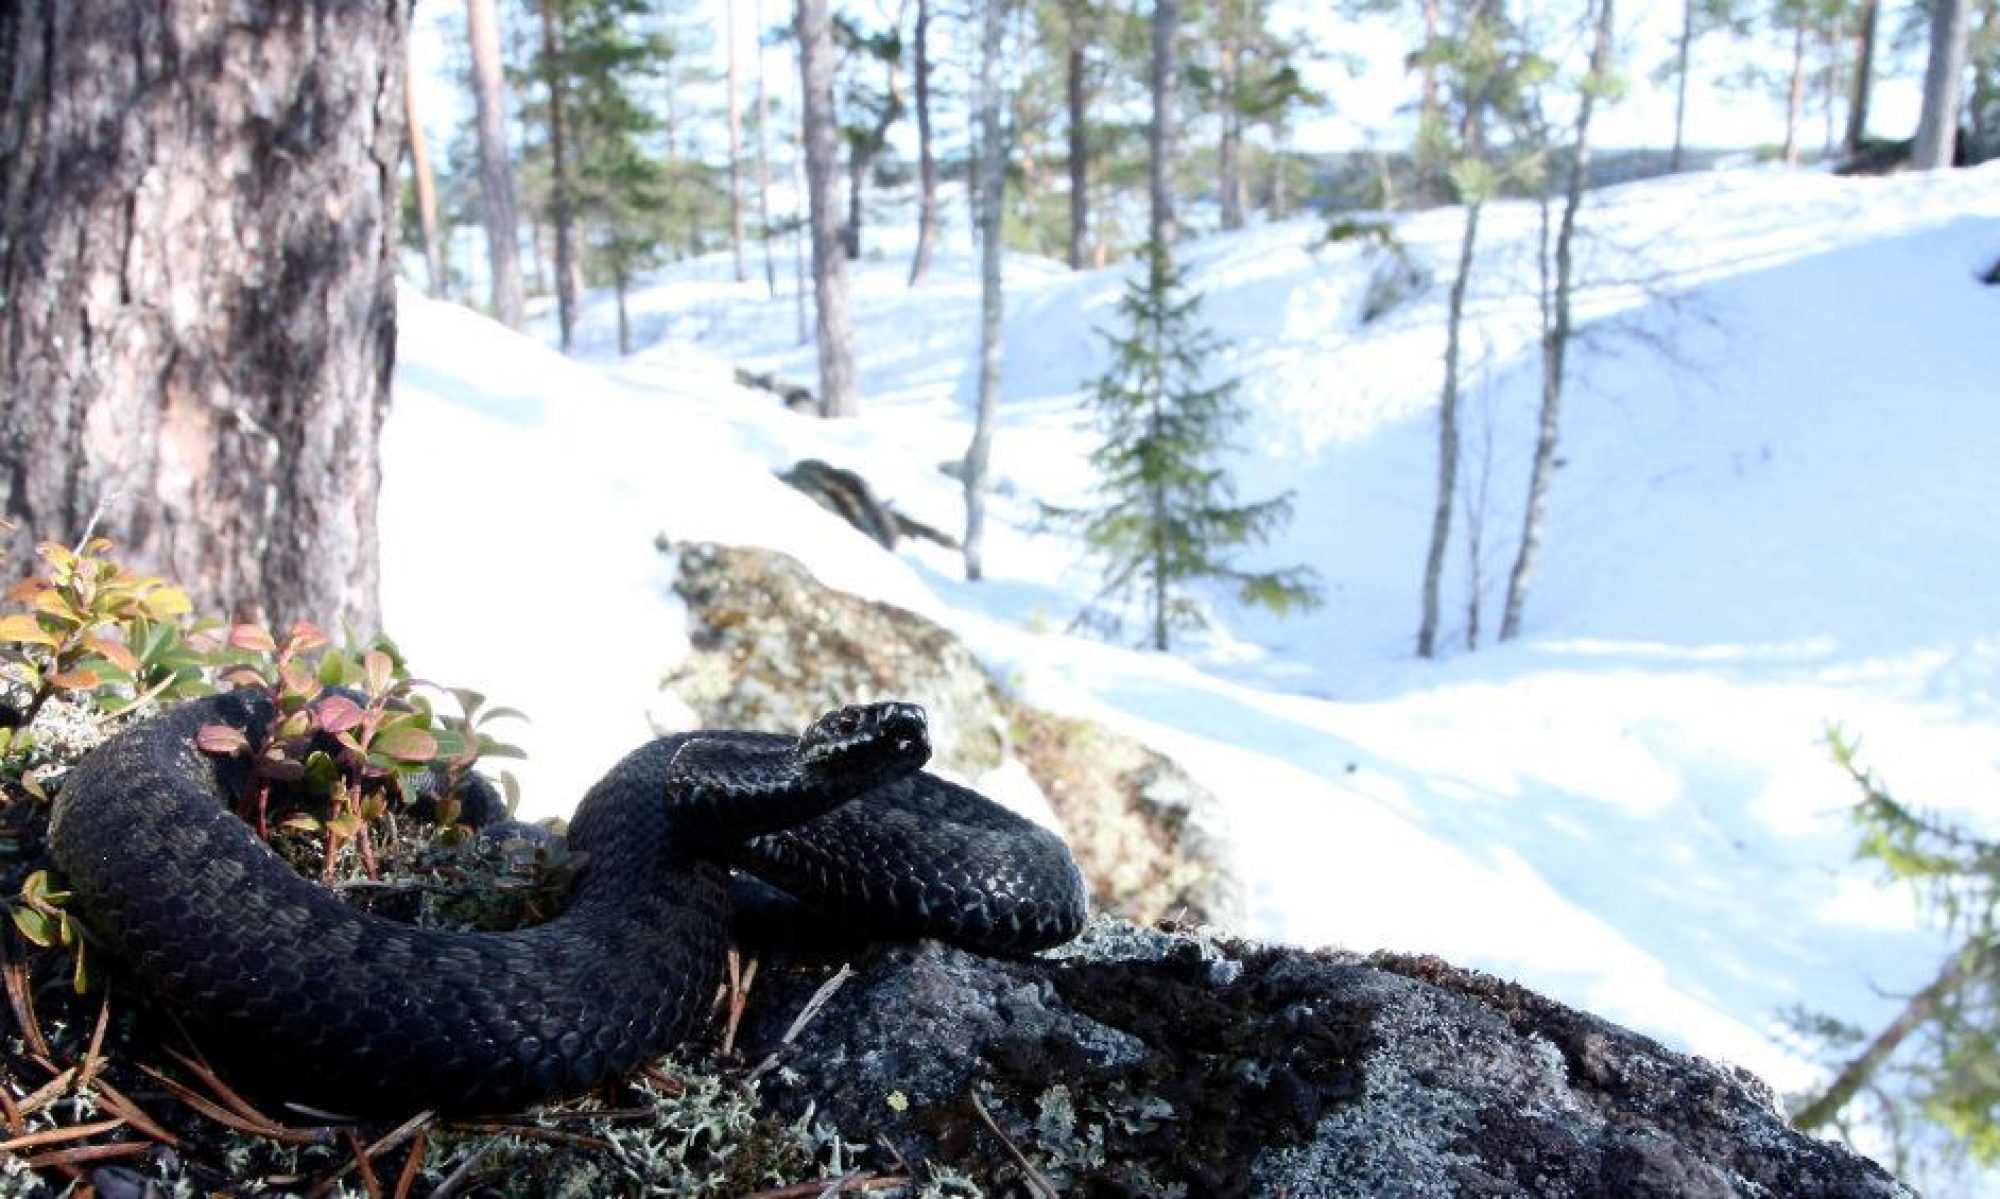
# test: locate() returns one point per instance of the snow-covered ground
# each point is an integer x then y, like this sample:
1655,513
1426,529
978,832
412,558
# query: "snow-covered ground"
1776,512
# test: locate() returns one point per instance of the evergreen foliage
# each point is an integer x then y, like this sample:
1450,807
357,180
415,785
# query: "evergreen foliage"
1167,516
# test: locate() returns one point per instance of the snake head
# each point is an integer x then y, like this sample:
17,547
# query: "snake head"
864,745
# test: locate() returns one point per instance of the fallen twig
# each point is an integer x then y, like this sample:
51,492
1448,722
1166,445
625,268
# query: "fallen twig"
85,1153
1036,1179
459,1175
821,1186
117,1101
14,972
254,1125
806,1014
55,1136
413,1165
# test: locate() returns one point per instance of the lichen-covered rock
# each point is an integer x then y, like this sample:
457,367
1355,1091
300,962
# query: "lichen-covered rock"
1147,1063
773,648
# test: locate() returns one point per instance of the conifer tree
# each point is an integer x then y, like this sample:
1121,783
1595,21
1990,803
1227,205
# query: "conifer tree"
1167,516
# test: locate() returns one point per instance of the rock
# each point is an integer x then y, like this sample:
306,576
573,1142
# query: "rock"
1140,1062
773,648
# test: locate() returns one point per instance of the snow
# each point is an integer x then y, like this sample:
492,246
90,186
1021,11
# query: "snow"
1775,515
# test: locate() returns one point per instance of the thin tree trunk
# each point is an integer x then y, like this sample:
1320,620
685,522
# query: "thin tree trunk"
838,394
1447,488
1556,333
992,185
927,207
764,163
496,174
1077,94
1683,52
1830,35
1430,101
1229,154
1970,960
618,284
1864,73
1162,137
202,349
735,149
559,208
1795,96
1944,81
426,188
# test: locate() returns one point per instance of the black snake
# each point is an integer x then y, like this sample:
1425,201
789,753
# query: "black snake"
331,1006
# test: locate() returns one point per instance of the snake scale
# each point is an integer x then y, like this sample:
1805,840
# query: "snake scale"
319,1003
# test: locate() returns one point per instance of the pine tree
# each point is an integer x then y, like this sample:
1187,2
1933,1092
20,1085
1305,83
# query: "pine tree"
1167,516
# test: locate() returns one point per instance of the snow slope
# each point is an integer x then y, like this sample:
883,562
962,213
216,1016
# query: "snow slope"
1775,513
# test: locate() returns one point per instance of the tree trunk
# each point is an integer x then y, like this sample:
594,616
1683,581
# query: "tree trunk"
764,163
559,209
1795,96
1162,136
1077,93
1944,78
496,175
426,189
1864,73
992,186
927,209
834,326
735,151
618,285
198,235
1447,488
1682,54
1229,154
1556,333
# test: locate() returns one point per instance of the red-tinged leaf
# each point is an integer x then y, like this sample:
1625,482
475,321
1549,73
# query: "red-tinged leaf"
113,652
337,713
223,739
380,671
82,679
25,629
304,637
253,638
281,770
25,591
244,676
405,743
299,680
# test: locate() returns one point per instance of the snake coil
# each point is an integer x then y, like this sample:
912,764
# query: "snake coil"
324,1004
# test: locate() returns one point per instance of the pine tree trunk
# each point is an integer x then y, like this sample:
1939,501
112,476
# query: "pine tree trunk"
764,163
1944,80
1447,488
496,174
198,235
735,152
1075,66
1795,95
1683,52
992,185
426,189
559,184
618,283
1864,73
1162,138
927,209
1556,334
834,325
1229,154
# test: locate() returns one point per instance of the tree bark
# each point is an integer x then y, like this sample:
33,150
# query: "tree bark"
833,324
1944,77
764,163
559,206
1447,488
927,206
1229,153
735,150
1556,333
992,207
198,235
1864,77
426,189
1795,95
1077,93
1163,135
496,174
1683,52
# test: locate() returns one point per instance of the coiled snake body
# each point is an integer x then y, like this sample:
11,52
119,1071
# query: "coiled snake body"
334,1007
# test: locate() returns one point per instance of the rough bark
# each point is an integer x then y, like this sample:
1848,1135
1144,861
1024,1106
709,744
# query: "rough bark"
426,189
1229,153
1162,137
198,230
1864,77
927,207
560,215
496,174
1076,89
992,185
833,324
735,152
1683,51
1557,330
1944,78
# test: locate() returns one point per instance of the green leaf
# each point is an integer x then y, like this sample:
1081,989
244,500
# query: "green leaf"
346,825
405,743
36,926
